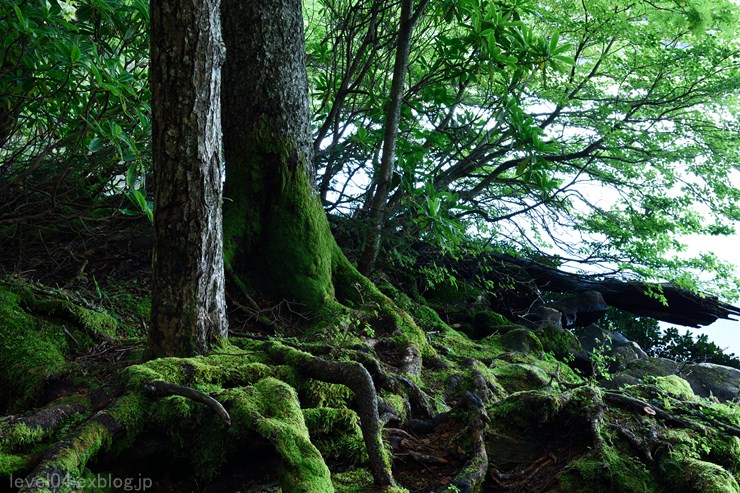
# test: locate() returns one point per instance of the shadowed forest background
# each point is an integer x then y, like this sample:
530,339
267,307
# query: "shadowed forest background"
367,246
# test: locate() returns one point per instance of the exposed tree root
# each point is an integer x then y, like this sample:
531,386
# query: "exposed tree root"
42,422
65,461
471,478
164,388
357,378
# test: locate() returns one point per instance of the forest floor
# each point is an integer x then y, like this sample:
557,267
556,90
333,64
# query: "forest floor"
504,412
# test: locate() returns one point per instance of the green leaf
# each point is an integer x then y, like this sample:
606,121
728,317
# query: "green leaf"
19,15
132,173
95,145
75,54
522,166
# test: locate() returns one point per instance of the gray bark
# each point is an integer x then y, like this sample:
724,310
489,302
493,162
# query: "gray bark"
188,307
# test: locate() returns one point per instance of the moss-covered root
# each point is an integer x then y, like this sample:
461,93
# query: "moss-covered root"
271,408
473,475
19,431
357,378
67,459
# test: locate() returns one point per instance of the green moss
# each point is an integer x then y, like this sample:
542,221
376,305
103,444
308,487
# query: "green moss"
397,402
724,450
356,290
337,434
315,393
17,435
224,370
516,377
522,340
291,237
352,481
612,470
675,386
486,323
560,342
129,410
30,350
686,474
11,464
271,408
93,321
528,410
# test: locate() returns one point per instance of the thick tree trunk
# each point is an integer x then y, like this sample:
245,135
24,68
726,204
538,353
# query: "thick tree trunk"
278,242
188,308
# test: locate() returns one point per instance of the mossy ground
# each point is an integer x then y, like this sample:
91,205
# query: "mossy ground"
547,427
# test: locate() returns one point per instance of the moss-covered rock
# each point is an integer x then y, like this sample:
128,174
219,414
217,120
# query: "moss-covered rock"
521,340
687,474
31,350
675,386
605,472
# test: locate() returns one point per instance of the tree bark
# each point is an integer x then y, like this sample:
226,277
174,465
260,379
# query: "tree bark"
188,307
278,242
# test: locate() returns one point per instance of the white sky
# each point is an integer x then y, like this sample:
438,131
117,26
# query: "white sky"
724,333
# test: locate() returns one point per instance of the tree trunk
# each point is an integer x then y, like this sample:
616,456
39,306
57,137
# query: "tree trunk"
277,238
188,307
382,179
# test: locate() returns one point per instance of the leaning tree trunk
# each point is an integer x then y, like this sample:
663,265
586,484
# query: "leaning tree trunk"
188,308
277,238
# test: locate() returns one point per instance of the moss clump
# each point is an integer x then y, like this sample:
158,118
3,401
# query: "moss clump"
675,386
12,464
337,434
521,340
611,470
487,322
560,342
219,370
17,435
315,393
271,409
528,410
397,402
352,481
516,377
99,322
30,350
687,474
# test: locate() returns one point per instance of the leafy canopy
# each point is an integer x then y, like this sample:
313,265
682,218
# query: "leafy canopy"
598,132
601,132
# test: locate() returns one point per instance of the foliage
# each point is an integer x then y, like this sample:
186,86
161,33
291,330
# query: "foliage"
74,108
669,343
602,132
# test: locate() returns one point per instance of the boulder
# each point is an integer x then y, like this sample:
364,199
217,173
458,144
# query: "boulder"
521,341
542,316
596,337
624,355
583,309
708,379
657,367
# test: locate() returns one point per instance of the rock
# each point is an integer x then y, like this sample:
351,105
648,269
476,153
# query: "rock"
593,337
542,316
618,381
657,367
582,309
708,379
624,355
486,323
522,341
